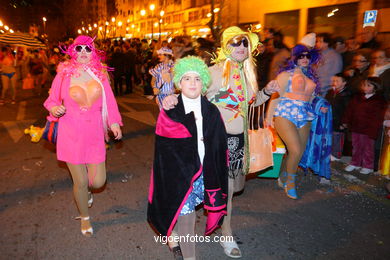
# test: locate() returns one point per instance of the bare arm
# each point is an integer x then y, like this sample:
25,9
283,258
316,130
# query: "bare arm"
264,94
282,81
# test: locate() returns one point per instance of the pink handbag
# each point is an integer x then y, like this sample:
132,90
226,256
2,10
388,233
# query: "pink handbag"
260,142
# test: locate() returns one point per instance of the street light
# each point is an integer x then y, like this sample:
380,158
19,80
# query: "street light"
105,29
44,24
159,24
120,28
152,7
142,13
113,26
100,30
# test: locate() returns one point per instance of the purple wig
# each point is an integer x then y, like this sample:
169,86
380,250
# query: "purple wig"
308,71
97,56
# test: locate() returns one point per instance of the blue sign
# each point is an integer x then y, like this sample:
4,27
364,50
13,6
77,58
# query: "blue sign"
370,18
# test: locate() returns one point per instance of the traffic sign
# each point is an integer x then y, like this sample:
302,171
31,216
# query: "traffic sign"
370,18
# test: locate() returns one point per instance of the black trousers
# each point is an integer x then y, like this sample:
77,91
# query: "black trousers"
129,82
118,84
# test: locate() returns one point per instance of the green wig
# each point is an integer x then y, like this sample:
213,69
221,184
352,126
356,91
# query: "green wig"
195,65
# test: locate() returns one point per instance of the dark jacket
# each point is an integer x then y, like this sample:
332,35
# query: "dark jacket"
365,116
117,61
385,80
177,165
355,81
373,44
129,61
339,103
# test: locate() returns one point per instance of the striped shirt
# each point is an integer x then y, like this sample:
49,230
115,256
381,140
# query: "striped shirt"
166,88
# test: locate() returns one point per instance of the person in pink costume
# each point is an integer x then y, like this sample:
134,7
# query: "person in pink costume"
82,101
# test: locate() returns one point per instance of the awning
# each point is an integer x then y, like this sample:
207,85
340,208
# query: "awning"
20,39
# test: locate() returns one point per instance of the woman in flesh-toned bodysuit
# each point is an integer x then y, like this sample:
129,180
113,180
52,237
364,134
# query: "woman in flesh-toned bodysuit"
82,99
292,111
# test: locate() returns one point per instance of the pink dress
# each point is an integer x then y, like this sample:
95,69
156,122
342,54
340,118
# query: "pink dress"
80,138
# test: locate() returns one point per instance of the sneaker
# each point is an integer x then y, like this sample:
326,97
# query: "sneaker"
366,171
13,102
350,168
333,159
1,102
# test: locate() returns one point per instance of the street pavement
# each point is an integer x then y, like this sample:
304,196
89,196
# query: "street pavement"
349,219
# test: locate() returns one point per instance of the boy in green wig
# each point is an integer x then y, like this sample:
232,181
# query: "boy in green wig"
190,163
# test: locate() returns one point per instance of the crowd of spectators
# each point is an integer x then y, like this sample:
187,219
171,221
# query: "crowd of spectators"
346,66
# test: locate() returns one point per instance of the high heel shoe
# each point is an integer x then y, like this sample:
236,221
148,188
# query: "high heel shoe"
231,249
174,247
177,254
90,199
88,232
281,180
289,187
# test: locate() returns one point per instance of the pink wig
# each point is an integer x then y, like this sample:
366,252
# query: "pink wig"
96,59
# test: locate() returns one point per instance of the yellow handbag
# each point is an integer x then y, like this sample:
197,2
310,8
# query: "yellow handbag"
260,141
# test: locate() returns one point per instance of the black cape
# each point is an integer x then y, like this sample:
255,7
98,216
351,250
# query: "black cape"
177,165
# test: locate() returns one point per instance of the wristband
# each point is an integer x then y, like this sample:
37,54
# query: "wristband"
265,93
114,124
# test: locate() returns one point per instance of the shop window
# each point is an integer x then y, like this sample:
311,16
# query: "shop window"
167,20
285,22
192,16
177,18
196,15
204,13
193,3
338,20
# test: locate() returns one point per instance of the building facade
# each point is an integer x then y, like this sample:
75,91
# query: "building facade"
294,18
165,18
